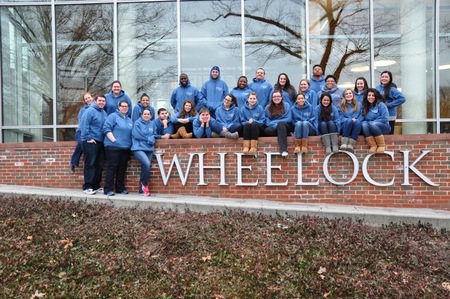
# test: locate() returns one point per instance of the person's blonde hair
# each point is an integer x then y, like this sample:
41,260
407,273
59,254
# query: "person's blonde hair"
343,103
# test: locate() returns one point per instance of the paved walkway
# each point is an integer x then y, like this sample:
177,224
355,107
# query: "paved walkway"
368,215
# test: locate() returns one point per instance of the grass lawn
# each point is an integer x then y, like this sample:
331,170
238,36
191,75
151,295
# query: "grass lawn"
65,249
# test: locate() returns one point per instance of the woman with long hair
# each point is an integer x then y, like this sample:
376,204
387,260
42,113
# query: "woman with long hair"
253,119
350,114
183,120
326,123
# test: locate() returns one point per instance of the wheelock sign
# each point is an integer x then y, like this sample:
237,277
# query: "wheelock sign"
183,175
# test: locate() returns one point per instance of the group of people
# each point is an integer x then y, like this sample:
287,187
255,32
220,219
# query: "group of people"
109,126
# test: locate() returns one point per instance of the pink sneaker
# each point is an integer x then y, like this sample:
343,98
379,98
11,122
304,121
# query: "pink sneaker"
146,191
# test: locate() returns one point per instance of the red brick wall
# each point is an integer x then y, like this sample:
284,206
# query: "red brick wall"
47,165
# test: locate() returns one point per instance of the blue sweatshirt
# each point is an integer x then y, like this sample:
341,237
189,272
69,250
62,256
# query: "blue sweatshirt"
335,92
305,113
272,121
91,125
80,114
241,95
143,135
395,98
201,132
360,96
378,113
120,126
228,118
311,97
160,130
334,118
113,102
174,119
257,113
138,109
213,93
263,90
317,85
343,115
181,93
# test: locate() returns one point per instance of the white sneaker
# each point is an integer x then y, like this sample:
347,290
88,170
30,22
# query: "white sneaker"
284,154
99,190
89,191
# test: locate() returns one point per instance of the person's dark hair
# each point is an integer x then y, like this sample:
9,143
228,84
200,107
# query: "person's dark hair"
183,112
237,84
365,83
233,99
99,96
316,65
144,95
203,110
387,88
287,88
161,110
365,103
276,109
325,111
121,102
148,109
116,81
331,76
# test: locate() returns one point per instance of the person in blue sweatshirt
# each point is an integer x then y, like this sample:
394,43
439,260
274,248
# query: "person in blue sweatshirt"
376,120
227,116
360,88
310,95
205,125
185,91
114,96
142,104
143,146
253,120
213,91
332,89
262,88
183,120
302,120
288,91
91,127
317,80
326,123
117,130
241,91
163,124
392,95
278,121
350,115
75,159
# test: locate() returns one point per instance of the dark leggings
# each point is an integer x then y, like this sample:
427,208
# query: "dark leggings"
252,131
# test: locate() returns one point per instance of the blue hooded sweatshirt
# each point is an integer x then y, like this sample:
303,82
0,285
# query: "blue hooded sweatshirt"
241,95
80,114
335,92
257,113
317,85
272,121
143,135
120,126
138,109
378,113
182,93
213,92
395,98
160,128
343,115
228,118
174,119
201,132
91,124
305,113
263,90
113,102
311,97
334,118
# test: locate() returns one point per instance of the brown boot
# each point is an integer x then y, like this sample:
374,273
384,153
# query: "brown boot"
298,146
304,145
176,135
184,133
246,147
372,144
381,144
253,147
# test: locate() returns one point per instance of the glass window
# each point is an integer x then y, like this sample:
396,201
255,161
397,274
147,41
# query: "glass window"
84,56
444,63
147,39
28,135
26,68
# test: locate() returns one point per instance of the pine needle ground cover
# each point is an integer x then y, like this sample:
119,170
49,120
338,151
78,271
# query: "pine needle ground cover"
66,249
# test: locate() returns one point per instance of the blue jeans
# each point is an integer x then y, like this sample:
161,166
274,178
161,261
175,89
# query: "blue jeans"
75,160
117,167
374,128
94,155
145,158
327,127
351,129
303,129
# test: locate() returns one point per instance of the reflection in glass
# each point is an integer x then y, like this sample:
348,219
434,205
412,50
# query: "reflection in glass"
26,70
27,135
444,63
148,50
84,56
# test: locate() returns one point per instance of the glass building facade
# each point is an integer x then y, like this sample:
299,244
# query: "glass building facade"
54,51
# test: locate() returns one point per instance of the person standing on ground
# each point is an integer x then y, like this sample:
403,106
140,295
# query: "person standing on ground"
326,123
350,115
278,121
117,130
213,91
262,88
302,120
253,120
317,80
143,146
92,137
114,96
392,95
75,160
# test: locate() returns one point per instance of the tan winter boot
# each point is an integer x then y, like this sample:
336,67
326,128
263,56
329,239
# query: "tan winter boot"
184,133
246,147
304,145
176,135
381,144
372,144
253,147
298,146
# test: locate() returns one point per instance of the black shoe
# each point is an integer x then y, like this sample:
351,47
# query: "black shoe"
72,169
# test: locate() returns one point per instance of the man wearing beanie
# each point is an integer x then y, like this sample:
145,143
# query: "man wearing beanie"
214,91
